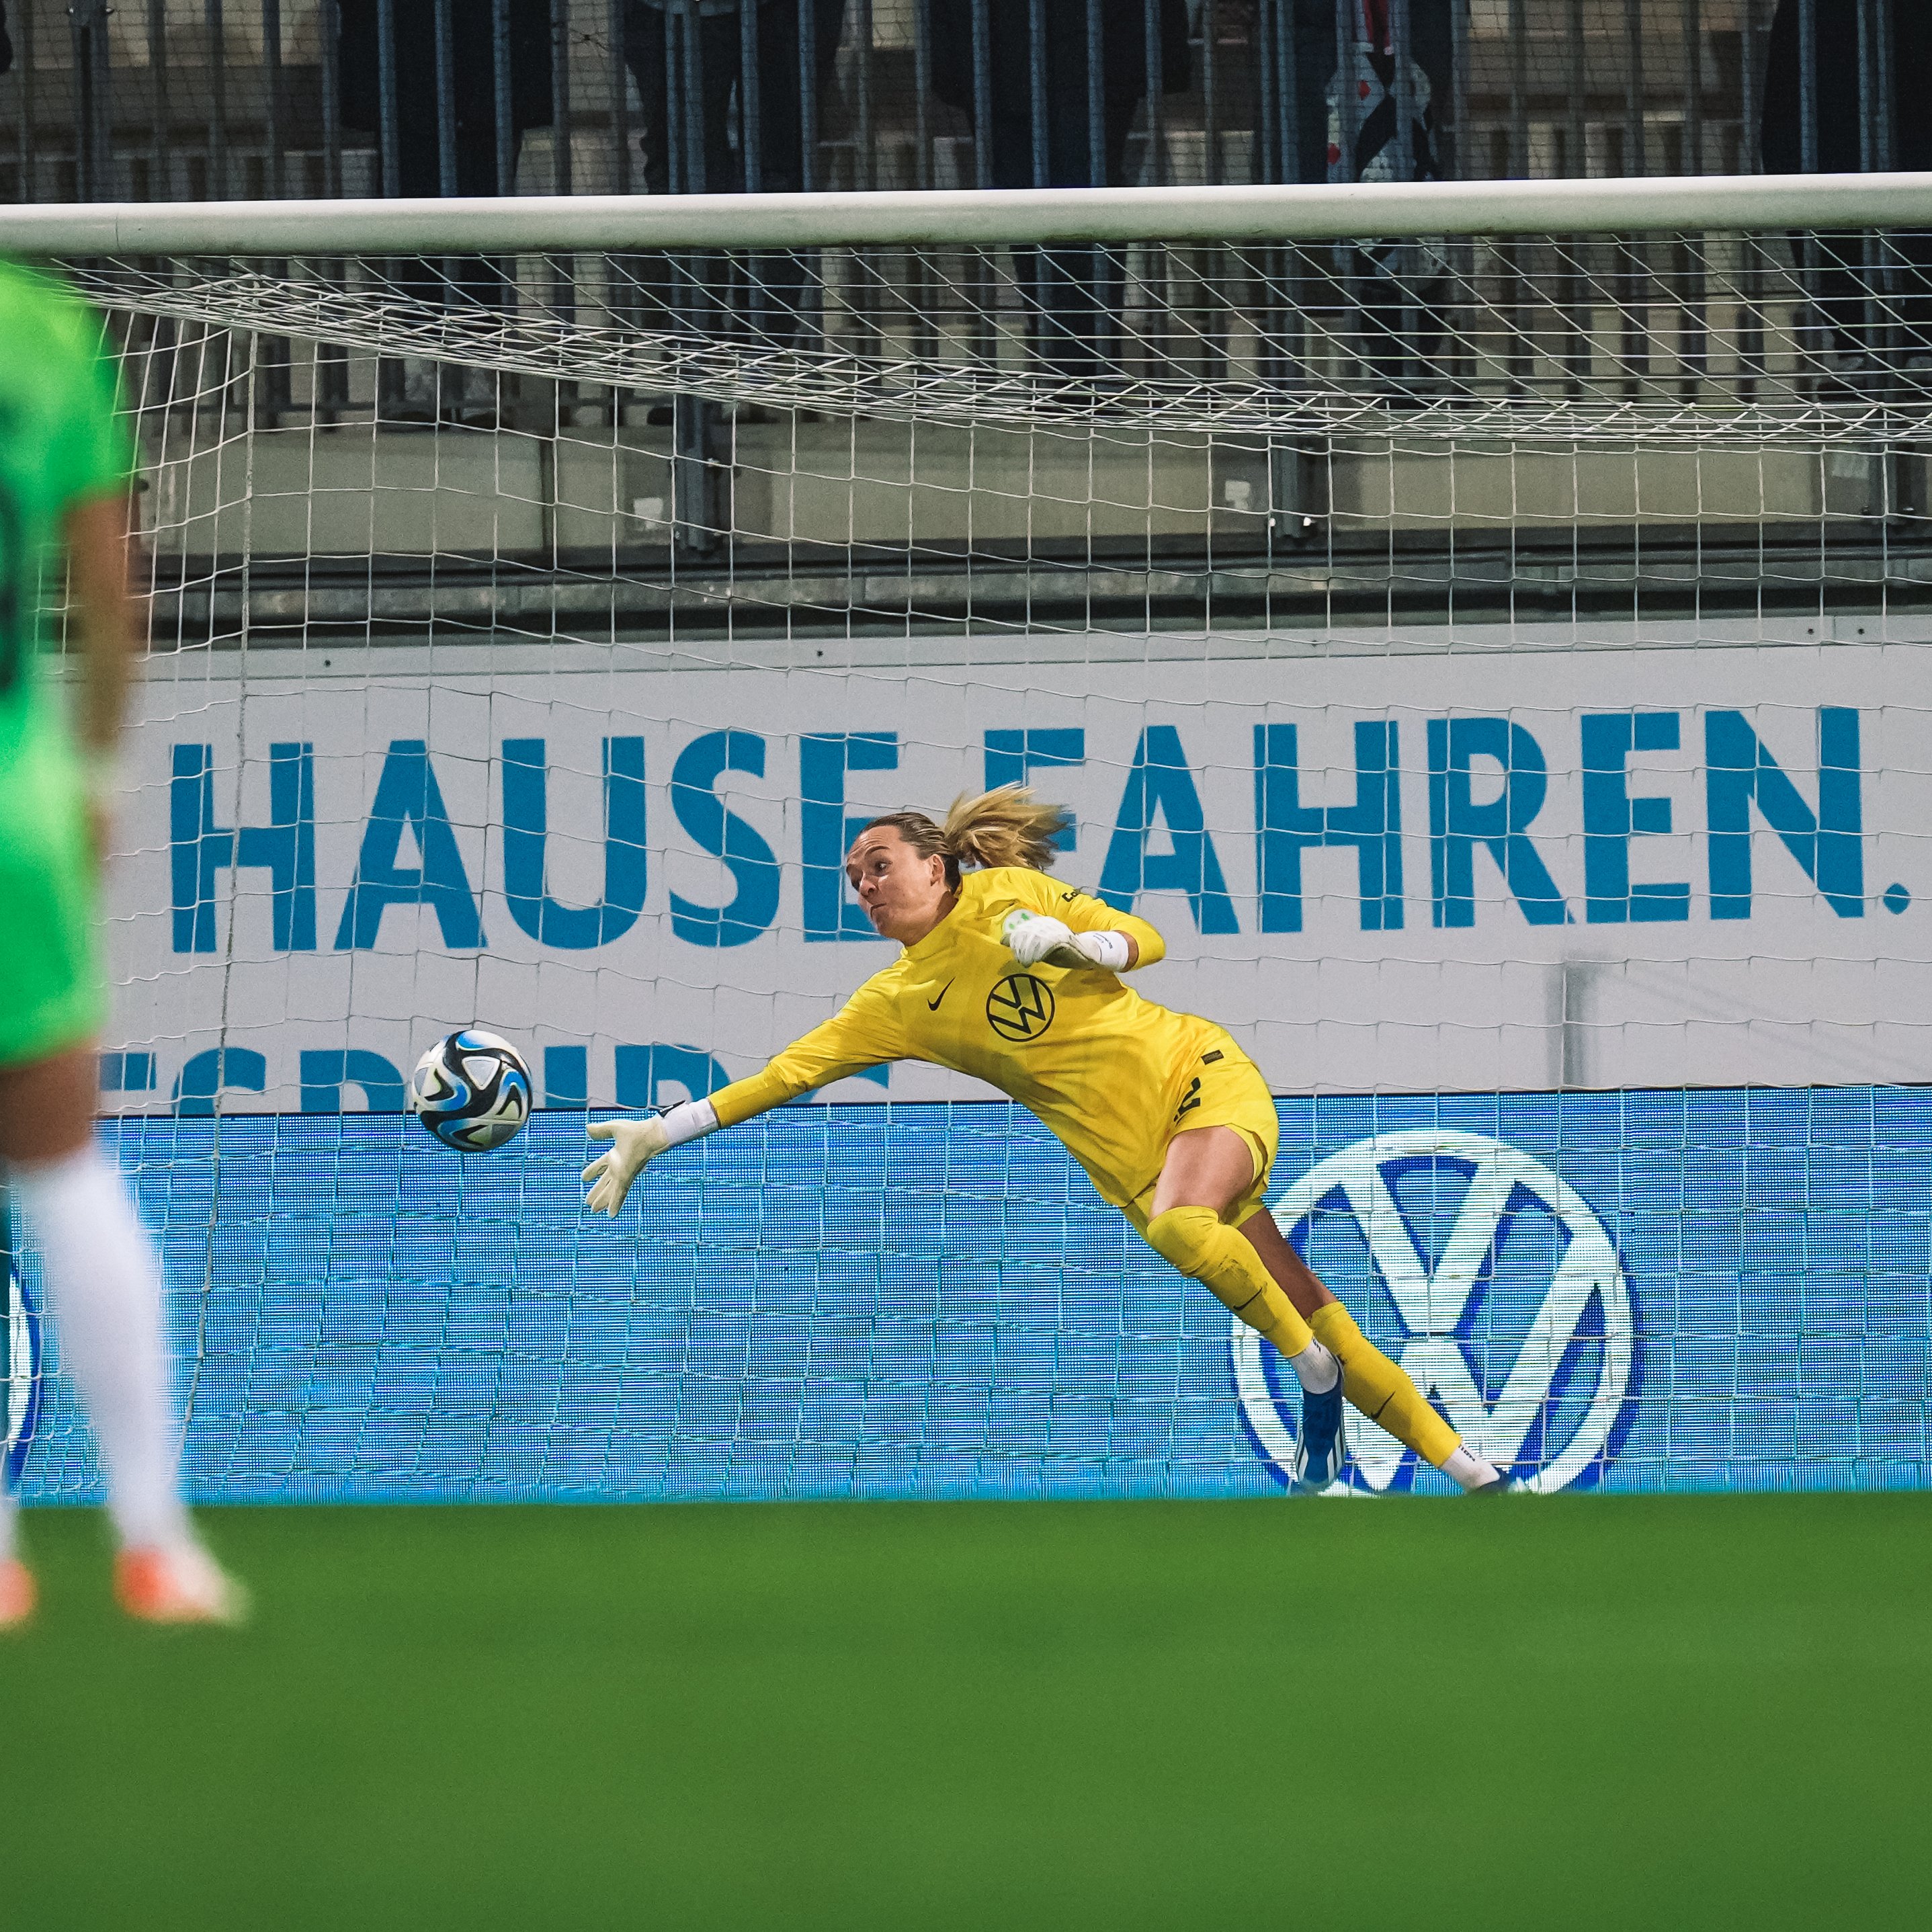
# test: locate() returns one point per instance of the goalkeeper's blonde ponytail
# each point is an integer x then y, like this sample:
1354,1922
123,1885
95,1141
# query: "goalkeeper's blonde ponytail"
1005,826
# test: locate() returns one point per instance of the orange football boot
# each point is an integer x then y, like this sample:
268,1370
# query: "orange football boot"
18,1593
185,1585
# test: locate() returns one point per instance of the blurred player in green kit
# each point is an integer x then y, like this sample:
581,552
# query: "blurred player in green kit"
66,475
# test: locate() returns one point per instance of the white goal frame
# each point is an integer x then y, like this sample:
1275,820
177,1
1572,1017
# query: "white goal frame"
539,224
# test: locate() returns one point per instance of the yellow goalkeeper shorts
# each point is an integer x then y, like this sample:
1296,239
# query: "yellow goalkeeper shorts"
1218,1086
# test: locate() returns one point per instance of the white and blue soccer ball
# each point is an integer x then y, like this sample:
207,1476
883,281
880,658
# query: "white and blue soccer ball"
472,1090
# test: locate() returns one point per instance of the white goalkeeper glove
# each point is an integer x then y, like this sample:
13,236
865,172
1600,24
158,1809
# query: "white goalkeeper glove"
1039,939
634,1144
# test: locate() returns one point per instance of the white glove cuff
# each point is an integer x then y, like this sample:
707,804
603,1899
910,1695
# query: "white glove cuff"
1108,950
688,1120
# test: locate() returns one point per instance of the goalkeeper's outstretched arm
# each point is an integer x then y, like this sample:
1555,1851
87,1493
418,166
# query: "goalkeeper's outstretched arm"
862,1034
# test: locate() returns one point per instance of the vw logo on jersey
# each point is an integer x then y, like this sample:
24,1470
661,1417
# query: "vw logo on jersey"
1020,1007
19,1371
1515,1310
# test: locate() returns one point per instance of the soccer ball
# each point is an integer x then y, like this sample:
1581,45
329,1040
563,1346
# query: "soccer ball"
471,1091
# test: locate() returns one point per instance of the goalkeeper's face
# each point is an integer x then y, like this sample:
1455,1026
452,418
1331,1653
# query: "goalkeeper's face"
905,896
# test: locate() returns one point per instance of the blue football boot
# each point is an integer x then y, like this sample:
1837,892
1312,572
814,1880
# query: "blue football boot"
1322,1447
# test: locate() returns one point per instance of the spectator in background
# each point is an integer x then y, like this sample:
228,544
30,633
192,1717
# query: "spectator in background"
1868,316
454,280
695,141
1397,290
1073,292
714,162
1325,124
6,42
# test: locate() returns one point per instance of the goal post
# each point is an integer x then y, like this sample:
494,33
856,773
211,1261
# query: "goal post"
1487,629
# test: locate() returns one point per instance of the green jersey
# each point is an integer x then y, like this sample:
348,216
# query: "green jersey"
61,441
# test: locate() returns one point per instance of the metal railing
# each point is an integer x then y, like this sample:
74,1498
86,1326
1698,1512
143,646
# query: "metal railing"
162,100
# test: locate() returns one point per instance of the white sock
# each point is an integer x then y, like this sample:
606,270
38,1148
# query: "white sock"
9,1510
1316,1369
1471,1470
104,1295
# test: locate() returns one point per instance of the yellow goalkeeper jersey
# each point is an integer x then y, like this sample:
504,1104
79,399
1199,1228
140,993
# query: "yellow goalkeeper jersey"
1107,1071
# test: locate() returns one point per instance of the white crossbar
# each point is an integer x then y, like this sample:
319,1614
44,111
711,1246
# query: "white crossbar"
968,217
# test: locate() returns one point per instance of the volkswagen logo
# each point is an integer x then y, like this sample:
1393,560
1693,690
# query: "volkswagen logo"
1020,1007
19,1371
1514,1311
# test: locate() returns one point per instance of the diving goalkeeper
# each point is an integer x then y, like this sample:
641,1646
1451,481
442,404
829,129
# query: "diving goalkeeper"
1010,976
66,470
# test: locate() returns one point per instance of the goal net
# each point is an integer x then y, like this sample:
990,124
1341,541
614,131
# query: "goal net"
1584,313
1482,628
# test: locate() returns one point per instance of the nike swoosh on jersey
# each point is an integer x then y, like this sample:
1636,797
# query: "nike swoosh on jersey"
932,1006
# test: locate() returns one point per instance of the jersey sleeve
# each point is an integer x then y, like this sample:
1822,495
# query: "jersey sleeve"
863,1033
93,453
1083,913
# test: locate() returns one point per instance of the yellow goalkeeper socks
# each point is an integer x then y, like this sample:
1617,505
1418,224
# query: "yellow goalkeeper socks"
1382,1389
1196,1241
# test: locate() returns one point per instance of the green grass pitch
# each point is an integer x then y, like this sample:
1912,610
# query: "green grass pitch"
1684,1711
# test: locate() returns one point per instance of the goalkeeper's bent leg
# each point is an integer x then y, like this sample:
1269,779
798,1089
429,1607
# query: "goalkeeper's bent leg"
1382,1389
1201,1245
